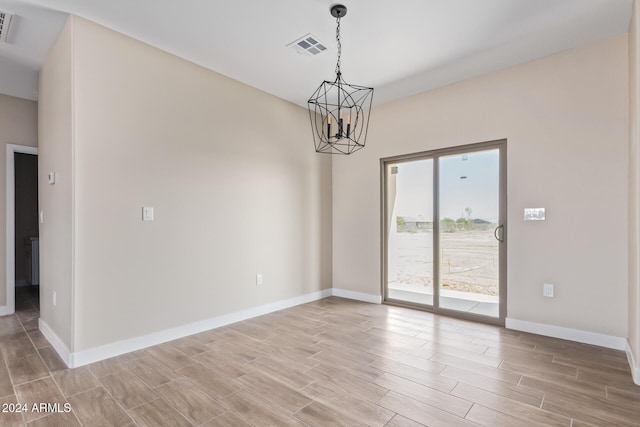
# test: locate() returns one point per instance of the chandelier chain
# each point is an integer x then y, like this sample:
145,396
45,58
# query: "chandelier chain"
339,45
339,112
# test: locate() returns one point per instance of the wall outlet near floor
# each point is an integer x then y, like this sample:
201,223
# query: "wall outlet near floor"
259,279
55,299
548,290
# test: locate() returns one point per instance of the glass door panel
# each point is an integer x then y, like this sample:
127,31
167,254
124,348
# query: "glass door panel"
409,223
469,229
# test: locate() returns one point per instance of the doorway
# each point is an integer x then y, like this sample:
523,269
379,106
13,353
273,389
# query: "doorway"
444,231
16,244
27,248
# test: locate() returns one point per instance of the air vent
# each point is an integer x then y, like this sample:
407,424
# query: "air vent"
5,21
308,45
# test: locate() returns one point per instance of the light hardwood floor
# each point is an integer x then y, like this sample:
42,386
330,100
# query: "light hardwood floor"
331,362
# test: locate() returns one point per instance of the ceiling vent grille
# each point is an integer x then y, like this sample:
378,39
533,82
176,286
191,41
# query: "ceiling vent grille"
308,45
5,21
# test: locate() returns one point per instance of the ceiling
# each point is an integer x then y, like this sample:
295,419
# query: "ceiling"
400,47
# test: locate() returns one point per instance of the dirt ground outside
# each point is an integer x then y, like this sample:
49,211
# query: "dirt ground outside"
468,261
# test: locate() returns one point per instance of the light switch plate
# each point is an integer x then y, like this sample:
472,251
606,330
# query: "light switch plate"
258,279
41,217
534,214
147,213
51,177
547,290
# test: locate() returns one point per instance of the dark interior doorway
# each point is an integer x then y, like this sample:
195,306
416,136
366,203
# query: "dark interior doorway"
26,224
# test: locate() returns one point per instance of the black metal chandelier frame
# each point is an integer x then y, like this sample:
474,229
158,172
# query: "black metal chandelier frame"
339,111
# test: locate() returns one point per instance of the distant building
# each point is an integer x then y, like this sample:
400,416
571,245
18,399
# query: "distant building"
409,223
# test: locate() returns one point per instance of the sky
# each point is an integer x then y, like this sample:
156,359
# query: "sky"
478,191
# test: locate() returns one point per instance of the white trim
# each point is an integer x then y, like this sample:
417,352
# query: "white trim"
57,343
72,181
358,296
10,225
635,369
602,340
73,360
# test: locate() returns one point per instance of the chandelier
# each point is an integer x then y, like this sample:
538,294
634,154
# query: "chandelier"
339,111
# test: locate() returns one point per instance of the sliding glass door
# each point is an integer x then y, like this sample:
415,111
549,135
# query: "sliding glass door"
468,202
444,236
410,231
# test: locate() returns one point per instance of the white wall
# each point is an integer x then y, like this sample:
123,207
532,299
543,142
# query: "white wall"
56,201
18,80
231,172
634,190
566,121
18,125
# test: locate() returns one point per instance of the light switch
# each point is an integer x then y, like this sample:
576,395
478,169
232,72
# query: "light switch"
534,214
41,217
547,290
51,177
147,213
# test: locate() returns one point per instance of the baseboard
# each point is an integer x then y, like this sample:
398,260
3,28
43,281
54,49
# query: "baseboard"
58,345
358,296
125,346
635,370
5,310
85,357
602,340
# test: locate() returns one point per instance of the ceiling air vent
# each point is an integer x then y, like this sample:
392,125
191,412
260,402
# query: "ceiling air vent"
308,45
5,20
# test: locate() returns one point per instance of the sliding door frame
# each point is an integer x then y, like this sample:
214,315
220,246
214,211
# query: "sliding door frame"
501,146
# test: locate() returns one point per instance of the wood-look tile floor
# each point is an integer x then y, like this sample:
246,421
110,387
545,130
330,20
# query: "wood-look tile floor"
331,362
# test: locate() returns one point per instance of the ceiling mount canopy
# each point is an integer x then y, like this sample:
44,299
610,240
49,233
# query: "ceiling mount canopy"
338,10
339,111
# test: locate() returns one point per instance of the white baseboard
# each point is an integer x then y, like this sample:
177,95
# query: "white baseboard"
85,357
635,369
602,340
58,345
5,310
358,296
106,351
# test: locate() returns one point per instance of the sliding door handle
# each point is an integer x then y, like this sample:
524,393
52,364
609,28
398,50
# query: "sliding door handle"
499,237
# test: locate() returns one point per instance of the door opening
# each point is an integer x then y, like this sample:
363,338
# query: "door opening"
27,248
15,239
444,231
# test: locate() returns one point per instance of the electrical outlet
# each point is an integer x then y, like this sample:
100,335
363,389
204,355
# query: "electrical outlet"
147,213
259,279
548,290
55,299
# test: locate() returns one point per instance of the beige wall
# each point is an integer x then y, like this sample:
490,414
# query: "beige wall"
56,201
565,118
18,125
232,175
237,189
634,187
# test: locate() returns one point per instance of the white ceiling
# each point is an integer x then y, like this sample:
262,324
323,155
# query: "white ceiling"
400,47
